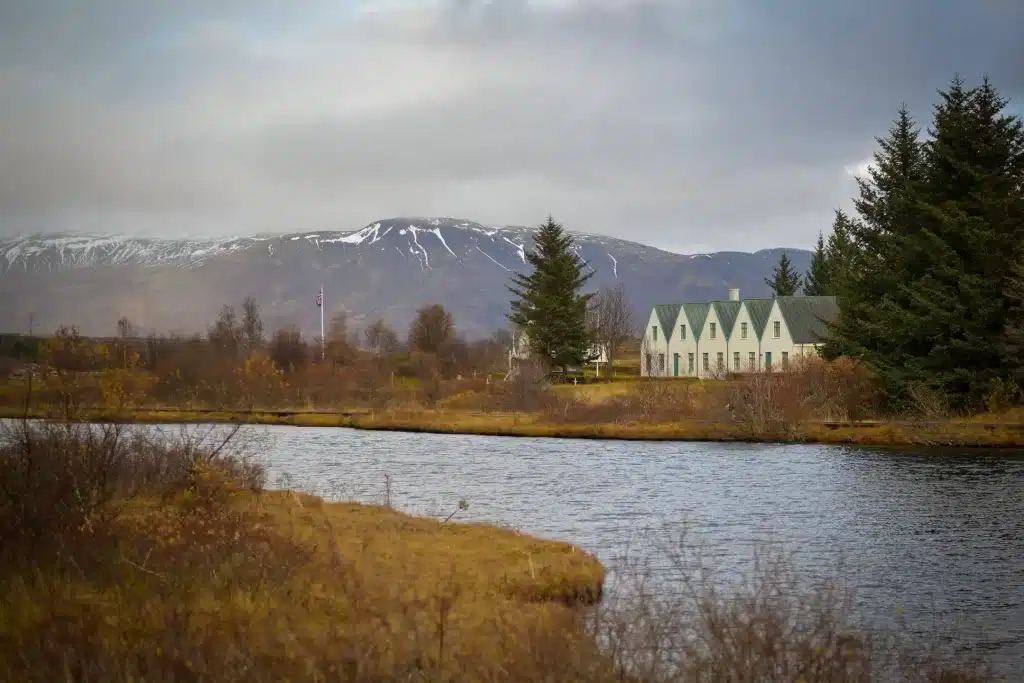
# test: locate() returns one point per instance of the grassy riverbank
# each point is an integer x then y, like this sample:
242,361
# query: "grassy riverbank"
170,566
972,433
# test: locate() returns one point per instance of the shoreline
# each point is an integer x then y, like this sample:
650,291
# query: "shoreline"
951,434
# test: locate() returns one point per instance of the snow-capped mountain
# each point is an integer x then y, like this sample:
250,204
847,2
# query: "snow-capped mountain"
387,269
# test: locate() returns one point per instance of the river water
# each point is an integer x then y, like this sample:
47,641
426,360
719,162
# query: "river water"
937,537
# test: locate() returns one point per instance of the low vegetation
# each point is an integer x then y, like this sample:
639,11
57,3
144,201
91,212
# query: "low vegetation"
134,556
384,387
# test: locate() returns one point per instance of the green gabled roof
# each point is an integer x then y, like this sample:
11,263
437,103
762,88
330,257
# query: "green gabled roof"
727,312
806,315
696,314
759,310
667,314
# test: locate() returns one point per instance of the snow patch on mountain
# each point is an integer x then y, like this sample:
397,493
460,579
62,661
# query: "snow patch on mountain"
501,245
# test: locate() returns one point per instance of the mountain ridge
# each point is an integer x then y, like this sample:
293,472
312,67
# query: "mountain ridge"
386,269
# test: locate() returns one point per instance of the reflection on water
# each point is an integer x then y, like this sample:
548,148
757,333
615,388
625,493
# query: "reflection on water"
937,536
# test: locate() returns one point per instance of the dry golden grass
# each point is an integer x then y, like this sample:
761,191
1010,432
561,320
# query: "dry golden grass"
975,432
197,577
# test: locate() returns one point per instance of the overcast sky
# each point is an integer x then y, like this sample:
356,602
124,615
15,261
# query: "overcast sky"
691,125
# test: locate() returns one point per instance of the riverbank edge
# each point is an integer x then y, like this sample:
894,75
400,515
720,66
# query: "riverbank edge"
949,434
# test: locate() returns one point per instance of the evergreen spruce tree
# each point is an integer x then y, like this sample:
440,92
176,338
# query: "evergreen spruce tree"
1012,345
970,237
816,281
549,306
939,226
831,261
784,280
841,254
871,307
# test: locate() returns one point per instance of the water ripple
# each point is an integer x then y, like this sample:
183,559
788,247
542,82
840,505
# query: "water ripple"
935,535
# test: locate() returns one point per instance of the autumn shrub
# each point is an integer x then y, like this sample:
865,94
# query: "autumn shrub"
842,389
63,485
527,390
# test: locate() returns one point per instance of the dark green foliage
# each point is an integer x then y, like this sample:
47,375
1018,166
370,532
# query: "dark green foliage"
784,280
19,347
1013,332
816,282
549,307
928,294
831,260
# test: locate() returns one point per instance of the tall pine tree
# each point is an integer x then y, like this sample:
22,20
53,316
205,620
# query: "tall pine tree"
939,226
870,309
784,280
971,231
1012,343
831,261
549,306
816,281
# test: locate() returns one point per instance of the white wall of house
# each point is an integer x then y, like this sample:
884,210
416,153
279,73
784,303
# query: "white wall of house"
746,344
655,348
776,342
681,346
807,350
714,346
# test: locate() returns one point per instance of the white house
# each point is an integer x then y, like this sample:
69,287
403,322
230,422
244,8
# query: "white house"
520,351
795,328
746,334
712,339
656,344
715,358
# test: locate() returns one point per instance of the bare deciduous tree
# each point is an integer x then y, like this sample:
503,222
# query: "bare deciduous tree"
225,335
380,337
613,321
252,324
340,345
432,329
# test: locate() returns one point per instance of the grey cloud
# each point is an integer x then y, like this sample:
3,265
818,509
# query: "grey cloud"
675,123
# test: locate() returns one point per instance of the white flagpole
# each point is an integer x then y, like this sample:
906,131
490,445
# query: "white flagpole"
323,341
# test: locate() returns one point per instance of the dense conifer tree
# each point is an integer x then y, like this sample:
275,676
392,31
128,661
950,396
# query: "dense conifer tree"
816,281
939,223
785,281
549,305
831,260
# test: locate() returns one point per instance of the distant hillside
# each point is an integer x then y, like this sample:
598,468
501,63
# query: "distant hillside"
387,269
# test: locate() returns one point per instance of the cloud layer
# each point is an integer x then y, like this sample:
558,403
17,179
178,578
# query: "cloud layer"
688,124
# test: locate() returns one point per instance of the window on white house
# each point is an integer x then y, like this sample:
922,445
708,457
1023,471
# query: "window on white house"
661,363
753,361
707,363
654,332
689,363
712,330
785,360
648,363
736,361
778,329
743,330
682,331
721,361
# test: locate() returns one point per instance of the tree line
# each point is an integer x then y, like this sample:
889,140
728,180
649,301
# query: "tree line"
929,268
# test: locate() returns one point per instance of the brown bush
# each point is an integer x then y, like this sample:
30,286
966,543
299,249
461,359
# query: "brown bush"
61,484
527,390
